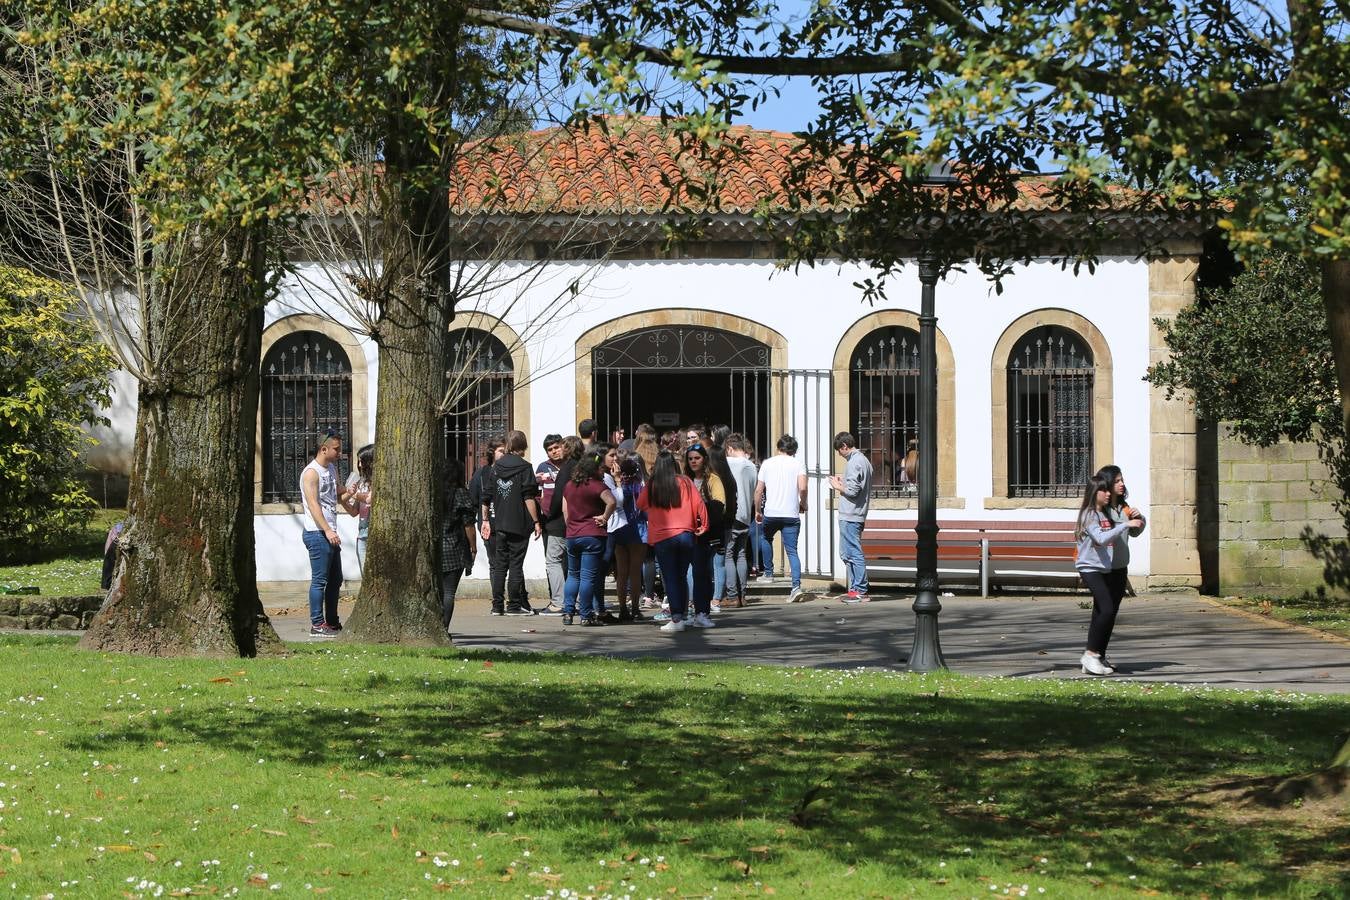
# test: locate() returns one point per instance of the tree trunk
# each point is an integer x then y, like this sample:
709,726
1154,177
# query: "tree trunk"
186,581
400,587
1336,297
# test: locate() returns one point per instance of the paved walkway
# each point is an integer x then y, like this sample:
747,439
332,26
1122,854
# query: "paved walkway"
1176,638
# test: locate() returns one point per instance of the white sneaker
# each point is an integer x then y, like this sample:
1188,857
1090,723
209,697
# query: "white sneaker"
1092,665
701,620
716,607
797,596
672,627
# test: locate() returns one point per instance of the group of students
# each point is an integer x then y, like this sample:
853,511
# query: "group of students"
679,504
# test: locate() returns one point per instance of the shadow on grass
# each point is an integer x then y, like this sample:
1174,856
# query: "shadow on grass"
896,778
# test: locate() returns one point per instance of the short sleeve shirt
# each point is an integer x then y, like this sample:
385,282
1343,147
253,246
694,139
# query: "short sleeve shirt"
583,504
779,474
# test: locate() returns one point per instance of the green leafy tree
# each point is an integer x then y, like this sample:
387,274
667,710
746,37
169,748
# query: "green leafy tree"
1256,354
54,377
1173,97
153,147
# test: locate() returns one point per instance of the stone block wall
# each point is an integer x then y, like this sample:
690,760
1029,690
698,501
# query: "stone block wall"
1267,496
37,613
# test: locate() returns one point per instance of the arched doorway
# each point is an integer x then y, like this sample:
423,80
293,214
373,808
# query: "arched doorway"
675,375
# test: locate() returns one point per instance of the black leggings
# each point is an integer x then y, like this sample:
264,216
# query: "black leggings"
1108,588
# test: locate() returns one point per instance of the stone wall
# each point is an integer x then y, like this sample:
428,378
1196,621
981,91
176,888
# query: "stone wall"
1267,496
37,613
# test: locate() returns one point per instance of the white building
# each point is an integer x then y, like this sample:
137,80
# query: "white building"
1038,386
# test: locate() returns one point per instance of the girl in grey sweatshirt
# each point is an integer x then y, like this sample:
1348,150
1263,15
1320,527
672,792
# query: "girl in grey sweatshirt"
1097,534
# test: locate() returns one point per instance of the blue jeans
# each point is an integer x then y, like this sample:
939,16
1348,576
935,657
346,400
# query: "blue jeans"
790,527
325,578
675,555
703,570
851,552
734,565
719,573
584,555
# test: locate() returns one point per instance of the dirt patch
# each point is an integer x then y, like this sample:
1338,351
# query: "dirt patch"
1317,800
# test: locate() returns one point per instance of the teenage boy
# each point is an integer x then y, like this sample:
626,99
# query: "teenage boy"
322,492
555,528
855,494
510,518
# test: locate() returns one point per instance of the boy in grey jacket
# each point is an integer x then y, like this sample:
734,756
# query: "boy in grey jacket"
855,493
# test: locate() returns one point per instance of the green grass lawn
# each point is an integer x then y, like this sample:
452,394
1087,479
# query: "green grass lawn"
71,568
371,773
1325,613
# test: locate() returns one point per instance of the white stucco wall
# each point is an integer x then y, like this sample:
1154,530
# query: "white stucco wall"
811,308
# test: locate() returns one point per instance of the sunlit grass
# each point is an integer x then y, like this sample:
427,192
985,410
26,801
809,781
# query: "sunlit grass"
373,773
72,568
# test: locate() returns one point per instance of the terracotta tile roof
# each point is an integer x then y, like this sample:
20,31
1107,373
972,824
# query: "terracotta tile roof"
636,166
633,166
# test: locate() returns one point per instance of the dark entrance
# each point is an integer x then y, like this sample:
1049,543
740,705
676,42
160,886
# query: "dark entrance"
677,375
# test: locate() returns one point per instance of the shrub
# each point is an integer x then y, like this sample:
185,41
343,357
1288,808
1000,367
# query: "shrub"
54,377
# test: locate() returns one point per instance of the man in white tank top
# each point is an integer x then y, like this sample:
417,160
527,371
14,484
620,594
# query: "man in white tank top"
322,493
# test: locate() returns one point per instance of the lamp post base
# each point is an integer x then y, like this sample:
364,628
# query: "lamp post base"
926,654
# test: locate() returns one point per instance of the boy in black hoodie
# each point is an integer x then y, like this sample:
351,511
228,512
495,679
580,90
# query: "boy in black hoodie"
510,517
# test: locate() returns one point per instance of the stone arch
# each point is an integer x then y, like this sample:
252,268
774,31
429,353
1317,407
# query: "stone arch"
520,360
946,388
356,358
1103,407
702,318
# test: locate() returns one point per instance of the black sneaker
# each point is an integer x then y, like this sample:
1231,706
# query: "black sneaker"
608,618
519,611
592,622
498,612
550,610
322,630
567,620
336,626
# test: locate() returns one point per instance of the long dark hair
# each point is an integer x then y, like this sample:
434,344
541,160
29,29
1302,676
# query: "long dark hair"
663,491
365,462
1109,474
717,464
454,474
1095,483
587,467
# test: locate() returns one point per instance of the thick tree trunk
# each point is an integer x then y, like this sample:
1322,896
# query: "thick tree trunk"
186,581
400,587
1336,297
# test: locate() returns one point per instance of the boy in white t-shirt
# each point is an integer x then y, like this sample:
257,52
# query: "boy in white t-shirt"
780,500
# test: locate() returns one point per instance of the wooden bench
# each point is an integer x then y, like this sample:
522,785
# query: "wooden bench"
975,552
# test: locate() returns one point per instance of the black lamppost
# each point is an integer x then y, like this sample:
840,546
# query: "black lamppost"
926,654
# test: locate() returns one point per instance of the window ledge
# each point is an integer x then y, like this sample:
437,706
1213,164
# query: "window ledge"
913,503
1032,502
278,509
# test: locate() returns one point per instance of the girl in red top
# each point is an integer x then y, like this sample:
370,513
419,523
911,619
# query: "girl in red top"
675,515
587,504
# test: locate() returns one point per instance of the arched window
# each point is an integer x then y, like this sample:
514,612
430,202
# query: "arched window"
479,383
883,397
306,390
1050,380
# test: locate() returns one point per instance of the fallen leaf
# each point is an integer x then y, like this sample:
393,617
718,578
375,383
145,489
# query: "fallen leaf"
118,848
256,881
274,832
493,735
742,867
393,832
304,821
487,663
150,856
221,680
763,850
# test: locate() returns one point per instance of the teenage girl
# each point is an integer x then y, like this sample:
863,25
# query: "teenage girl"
675,515
1097,535
627,532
